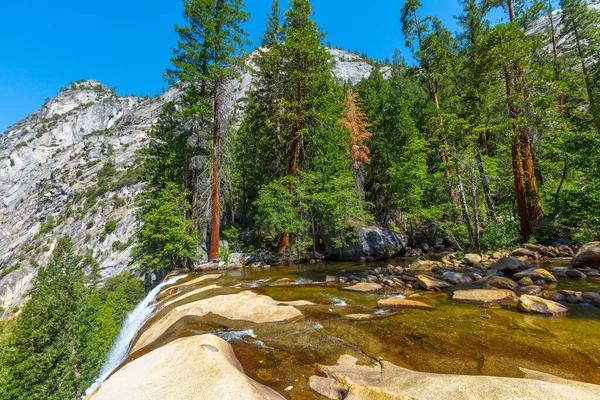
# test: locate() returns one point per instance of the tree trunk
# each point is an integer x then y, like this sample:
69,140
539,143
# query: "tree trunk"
474,208
561,98
74,358
465,208
483,141
195,201
560,185
284,239
524,221
485,184
216,189
590,94
533,204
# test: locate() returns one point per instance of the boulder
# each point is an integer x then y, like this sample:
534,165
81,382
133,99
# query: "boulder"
522,253
538,305
183,369
587,256
472,259
565,251
364,287
575,274
423,266
483,295
371,243
498,282
397,302
525,281
430,283
508,264
593,297
456,278
536,274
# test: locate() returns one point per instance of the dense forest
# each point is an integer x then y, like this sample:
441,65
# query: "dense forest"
490,135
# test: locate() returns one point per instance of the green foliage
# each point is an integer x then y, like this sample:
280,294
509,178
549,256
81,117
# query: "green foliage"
59,342
110,226
48,225
166,240
500,235
4,272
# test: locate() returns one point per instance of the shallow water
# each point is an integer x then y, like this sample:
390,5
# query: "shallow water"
454,338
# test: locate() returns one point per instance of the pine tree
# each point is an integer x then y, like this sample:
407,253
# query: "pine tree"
580,36
208,52
356,123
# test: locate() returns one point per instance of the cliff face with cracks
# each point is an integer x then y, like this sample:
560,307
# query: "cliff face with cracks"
51,165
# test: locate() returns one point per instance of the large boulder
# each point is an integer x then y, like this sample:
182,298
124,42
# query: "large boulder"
483,295
537,305
372,243
194,367
456,278
587,256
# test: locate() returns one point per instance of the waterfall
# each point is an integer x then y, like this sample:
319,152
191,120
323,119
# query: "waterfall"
134,321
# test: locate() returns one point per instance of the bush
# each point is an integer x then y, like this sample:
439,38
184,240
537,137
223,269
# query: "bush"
500,235
110,226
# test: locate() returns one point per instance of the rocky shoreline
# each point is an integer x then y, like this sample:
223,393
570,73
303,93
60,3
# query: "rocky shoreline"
487,278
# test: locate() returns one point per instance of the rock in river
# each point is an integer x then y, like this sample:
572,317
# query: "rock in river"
508,264
483,295
587,256
397,302
456,278
498,282
472,259
536,274
364,287
537,305
194,367
430,283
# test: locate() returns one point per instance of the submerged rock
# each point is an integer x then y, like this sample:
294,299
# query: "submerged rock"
352,381
587,256
397,302
190,368
483,295
364,287
373,243
538,305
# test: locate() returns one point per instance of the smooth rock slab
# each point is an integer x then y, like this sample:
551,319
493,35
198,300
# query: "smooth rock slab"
244,306
196,367
430,283
537,305
364,287
388,381
483,295
397,302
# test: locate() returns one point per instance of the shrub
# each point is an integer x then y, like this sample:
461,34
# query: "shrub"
500,235
110,226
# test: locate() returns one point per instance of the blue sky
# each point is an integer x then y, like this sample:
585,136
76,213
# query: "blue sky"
127,43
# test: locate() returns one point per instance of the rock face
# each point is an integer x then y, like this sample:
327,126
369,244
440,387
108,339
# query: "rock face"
388,381
49,165
372,244
190,368
587,256
537,305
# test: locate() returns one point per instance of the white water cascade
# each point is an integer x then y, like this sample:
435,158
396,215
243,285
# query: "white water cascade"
134,321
